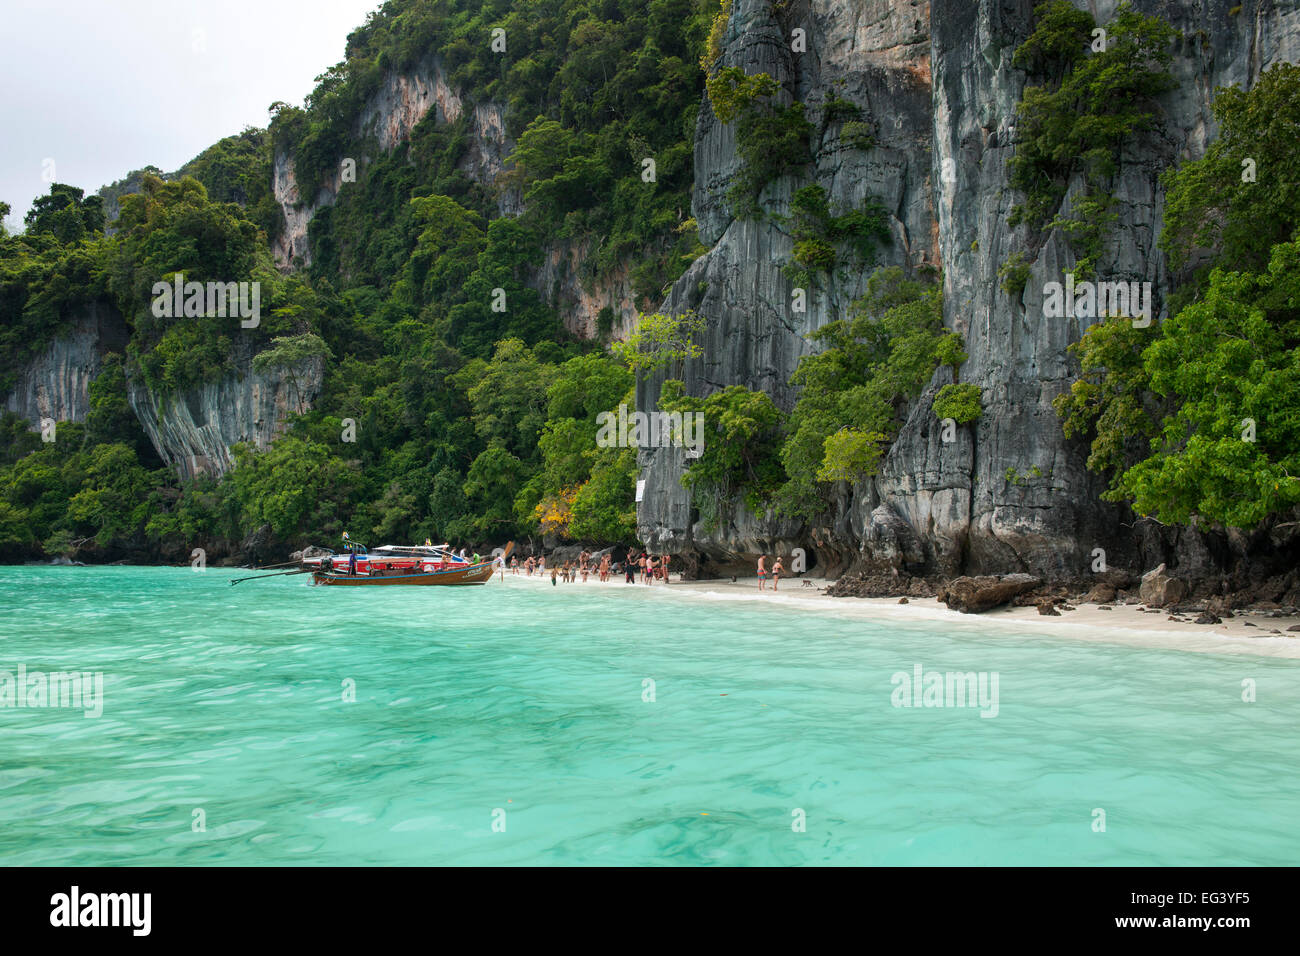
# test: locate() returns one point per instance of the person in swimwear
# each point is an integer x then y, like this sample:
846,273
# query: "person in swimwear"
762,572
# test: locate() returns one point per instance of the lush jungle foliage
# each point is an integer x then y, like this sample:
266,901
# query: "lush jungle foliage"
1199,416
454,405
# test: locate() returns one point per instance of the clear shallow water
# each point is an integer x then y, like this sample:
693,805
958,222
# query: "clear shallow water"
528,698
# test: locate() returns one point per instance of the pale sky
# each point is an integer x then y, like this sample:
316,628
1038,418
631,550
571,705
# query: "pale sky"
102,87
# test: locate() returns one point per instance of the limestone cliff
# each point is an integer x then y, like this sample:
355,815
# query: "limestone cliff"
193,431
393,111
402,101
877,55
937,79
55,384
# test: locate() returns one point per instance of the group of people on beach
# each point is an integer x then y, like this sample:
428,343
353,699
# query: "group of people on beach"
648,566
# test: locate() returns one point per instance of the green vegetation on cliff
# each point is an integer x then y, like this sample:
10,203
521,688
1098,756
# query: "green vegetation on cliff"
448,404
1199,416
1098,89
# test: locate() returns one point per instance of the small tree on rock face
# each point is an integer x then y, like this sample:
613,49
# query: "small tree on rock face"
292,353
661,341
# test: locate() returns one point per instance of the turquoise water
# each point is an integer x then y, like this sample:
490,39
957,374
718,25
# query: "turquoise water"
523,704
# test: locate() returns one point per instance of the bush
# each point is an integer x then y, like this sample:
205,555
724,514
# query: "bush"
961,403
1014,274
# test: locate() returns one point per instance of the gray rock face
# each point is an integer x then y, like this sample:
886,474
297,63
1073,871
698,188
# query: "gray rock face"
193,431
579,301
56,383
291,248
936,79
873,54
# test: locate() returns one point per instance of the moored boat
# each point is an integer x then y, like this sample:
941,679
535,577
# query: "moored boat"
388,564
424,564
479,573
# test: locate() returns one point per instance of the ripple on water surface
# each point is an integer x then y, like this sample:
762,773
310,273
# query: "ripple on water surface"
612,726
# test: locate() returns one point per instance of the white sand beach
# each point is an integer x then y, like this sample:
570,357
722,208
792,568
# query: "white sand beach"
1255,633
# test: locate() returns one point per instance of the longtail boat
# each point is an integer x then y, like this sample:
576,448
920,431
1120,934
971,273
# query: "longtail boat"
391,564
397,564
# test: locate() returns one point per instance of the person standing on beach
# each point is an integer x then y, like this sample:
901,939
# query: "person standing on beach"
776,573
762,572
629,569
650,569
604,569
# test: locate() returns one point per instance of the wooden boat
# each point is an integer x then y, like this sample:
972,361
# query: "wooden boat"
468,574
391,564
398,564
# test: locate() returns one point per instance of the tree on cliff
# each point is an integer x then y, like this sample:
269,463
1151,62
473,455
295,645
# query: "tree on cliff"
66,213
293,354
1200,416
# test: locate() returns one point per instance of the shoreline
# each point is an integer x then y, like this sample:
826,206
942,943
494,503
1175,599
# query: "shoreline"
1122,623
1255,633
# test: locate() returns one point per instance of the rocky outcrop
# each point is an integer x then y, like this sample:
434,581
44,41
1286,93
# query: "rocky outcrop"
193,431
404,100
56,383
1159,588
290,246
937,82
972,595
